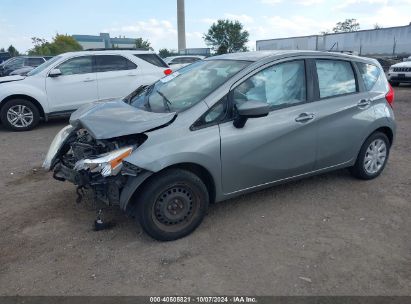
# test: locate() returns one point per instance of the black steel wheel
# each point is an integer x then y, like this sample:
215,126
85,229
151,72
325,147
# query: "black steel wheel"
172,204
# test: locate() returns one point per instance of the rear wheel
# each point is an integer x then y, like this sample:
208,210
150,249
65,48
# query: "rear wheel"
172,204
19,115
373,157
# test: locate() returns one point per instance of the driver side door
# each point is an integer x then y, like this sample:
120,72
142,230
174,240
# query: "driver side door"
278,146
77,85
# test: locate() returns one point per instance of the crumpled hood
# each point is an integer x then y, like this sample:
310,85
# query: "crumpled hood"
116,118
11,78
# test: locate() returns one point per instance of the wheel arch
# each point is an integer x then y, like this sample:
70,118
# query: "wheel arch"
387,131
132,189
26,97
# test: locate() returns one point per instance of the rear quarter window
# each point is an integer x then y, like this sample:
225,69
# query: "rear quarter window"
369,74
152,59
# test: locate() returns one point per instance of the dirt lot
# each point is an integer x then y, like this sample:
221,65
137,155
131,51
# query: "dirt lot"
327,235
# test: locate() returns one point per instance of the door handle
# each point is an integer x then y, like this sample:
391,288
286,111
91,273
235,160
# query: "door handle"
131,74
363,103
88,80
305,117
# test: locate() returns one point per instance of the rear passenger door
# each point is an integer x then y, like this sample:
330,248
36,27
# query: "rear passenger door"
116,76
343,112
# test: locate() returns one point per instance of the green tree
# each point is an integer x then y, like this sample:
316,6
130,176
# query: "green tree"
143,44
167,53
60,44
227,36
12,51
2,50
349,25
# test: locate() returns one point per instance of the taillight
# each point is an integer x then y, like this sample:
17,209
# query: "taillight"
390,96
168,72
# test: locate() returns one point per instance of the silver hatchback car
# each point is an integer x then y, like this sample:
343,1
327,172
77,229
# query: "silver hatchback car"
226,126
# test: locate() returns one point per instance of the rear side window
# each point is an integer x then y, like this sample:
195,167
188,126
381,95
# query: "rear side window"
369,74
107,63
152,59
335,77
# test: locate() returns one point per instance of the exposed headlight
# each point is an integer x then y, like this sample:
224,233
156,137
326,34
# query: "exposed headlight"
55,146
107,164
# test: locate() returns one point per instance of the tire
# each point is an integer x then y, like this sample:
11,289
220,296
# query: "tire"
365,169
172,204
29,119
395,84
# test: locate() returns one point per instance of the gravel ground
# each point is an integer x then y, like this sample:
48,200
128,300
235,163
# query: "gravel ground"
326,235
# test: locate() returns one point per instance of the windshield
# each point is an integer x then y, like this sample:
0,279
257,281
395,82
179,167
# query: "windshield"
43,66
187,86
8,61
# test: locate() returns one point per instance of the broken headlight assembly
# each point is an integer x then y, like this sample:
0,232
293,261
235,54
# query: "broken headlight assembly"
107,164
55,146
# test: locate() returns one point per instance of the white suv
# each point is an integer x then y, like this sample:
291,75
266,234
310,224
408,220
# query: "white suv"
400,72
68,81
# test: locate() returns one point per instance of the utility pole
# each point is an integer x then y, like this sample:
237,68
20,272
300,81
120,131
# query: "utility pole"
181,25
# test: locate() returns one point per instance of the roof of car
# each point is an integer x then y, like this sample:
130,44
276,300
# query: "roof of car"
259,55
185,56
102,52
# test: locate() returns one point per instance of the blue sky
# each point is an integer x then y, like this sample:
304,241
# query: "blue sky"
156,19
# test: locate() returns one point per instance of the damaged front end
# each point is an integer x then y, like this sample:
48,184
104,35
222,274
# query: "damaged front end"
90,151
94,164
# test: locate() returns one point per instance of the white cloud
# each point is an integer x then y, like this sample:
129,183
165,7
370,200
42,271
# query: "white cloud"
245,19
309,2
161,33
271,2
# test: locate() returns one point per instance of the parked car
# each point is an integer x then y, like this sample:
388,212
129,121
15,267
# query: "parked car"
67,81
400,73
225,126
19,62
22,71
4,56
177,62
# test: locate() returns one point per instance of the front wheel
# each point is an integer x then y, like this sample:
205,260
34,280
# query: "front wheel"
172,204
19,115
373,157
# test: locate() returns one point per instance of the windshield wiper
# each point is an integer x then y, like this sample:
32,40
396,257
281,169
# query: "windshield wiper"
166,101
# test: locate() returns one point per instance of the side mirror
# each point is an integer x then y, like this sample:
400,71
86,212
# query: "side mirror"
55,73
250,109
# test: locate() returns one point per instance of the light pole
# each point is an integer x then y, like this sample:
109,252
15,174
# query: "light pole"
181,25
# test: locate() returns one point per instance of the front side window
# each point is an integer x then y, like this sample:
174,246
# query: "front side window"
369,74
78,65
335,77
188,86
34,62
107,63
281,85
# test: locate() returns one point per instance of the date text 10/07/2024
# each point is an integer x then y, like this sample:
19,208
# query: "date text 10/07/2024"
204,299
